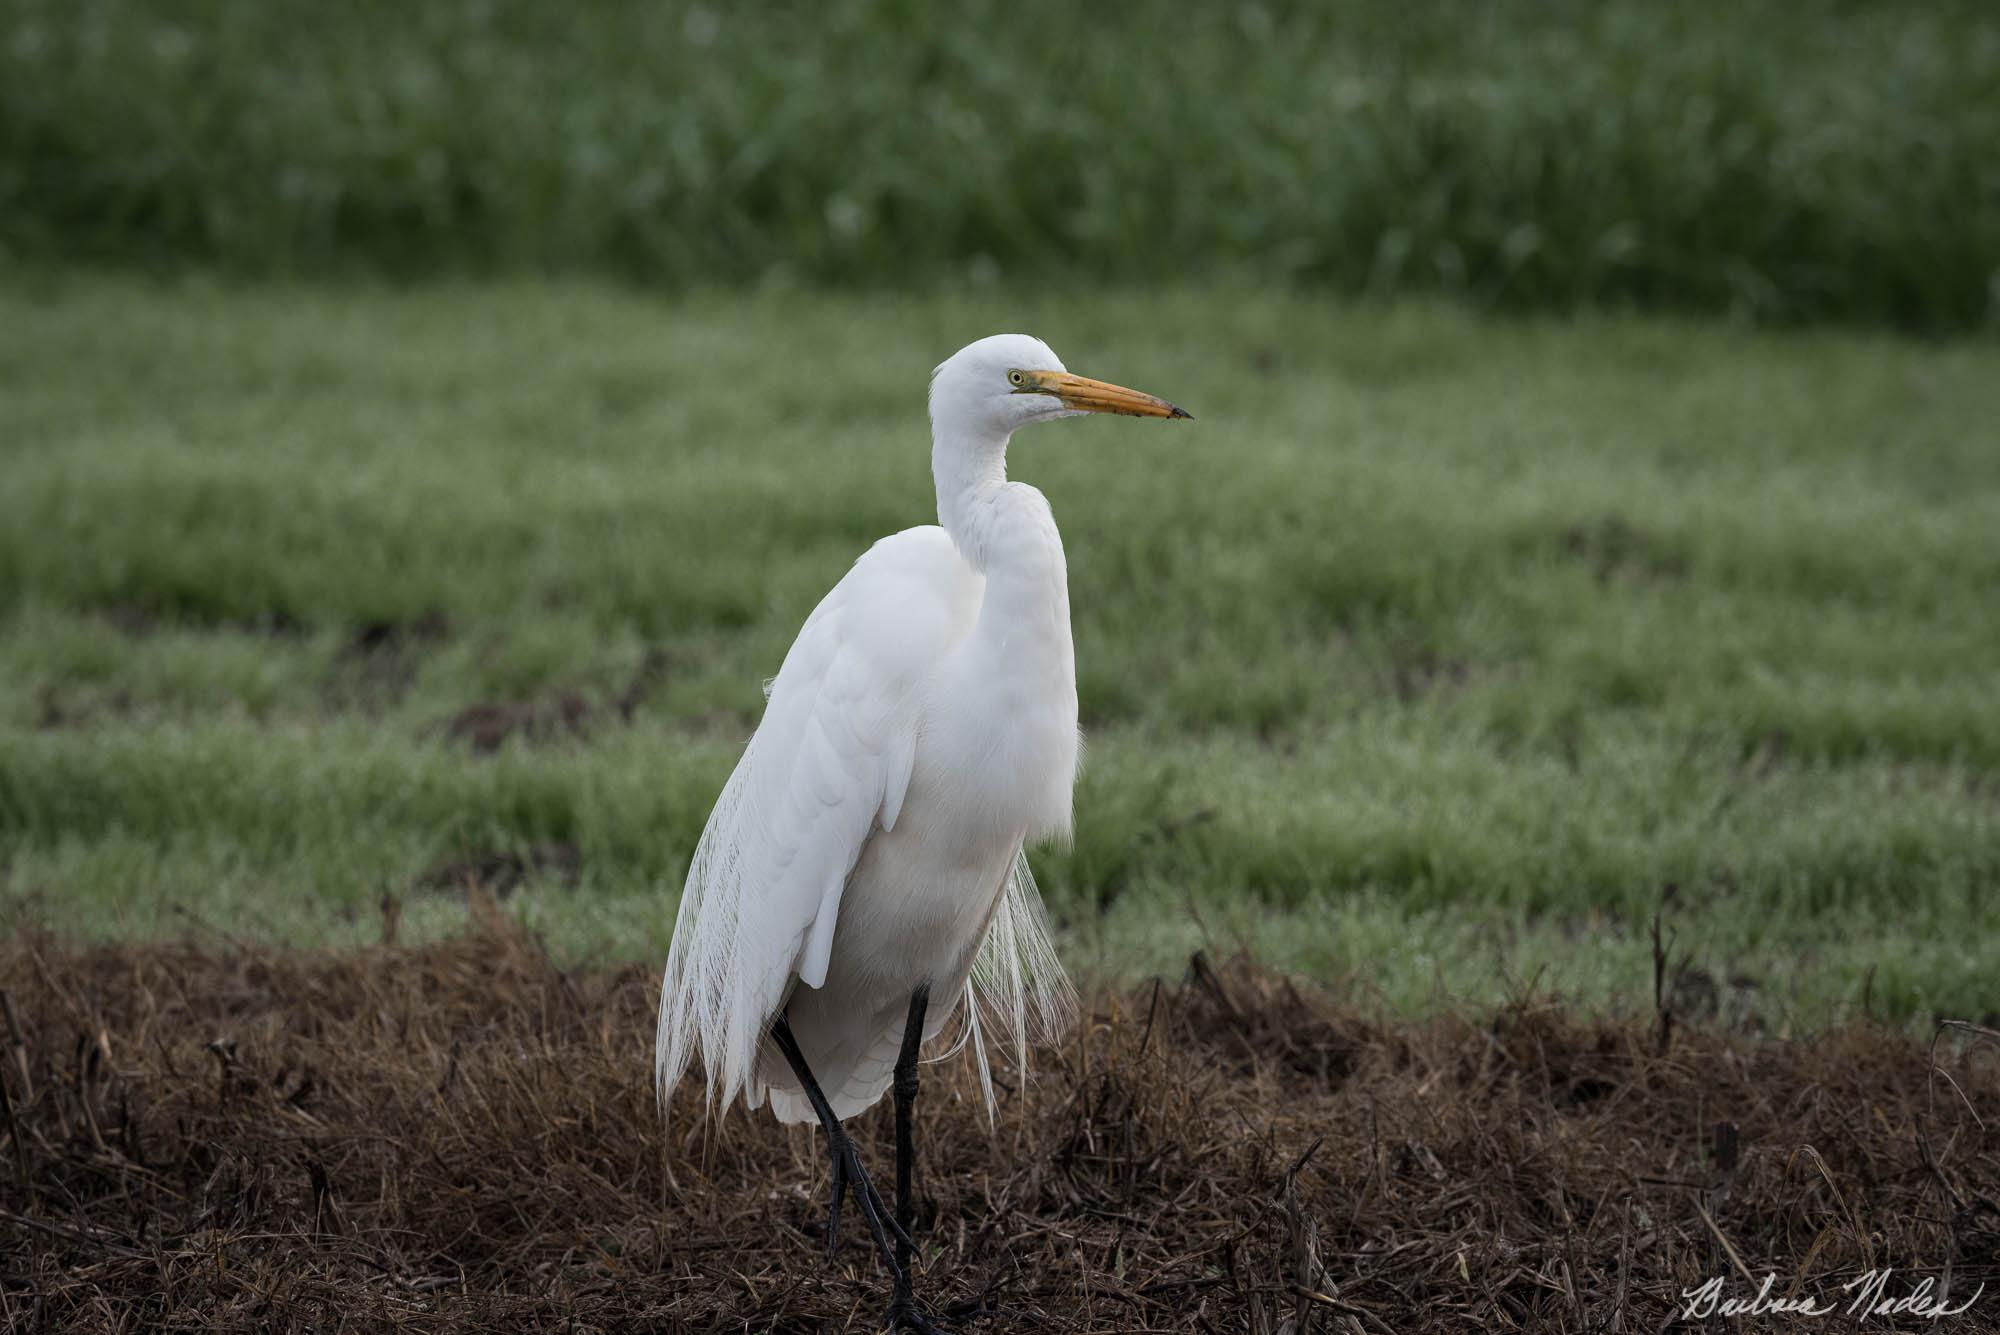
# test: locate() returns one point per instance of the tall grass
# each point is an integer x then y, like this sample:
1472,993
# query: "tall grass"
1815,160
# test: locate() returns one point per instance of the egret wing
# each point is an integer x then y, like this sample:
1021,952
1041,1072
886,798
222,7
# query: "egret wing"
828,766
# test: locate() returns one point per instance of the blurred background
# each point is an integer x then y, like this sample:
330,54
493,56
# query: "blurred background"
423,428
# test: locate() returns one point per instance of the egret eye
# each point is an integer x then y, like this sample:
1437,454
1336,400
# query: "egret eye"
1016,379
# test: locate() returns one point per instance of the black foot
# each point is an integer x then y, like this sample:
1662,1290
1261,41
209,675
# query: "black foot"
904,1314
849,1174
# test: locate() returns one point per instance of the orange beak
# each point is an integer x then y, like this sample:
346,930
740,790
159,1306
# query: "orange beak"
1095,396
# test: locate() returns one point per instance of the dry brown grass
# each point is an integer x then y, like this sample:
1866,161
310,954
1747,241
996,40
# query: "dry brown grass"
463,1138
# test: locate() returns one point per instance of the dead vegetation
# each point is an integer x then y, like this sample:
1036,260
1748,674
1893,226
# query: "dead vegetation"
463,1138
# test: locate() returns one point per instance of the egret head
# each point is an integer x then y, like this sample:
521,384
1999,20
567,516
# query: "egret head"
1006,381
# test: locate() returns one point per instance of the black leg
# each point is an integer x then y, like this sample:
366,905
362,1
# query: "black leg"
906,1099
847,1170
903,1311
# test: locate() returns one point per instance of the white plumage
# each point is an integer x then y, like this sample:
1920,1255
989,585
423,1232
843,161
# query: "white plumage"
920,733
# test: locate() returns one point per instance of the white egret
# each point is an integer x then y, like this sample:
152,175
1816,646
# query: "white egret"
865,858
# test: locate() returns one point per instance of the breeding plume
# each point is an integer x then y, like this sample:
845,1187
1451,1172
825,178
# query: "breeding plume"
861,879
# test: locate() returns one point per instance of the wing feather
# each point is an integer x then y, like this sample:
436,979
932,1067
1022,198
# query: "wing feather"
828,765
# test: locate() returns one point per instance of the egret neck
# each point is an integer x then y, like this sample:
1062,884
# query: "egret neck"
1019,662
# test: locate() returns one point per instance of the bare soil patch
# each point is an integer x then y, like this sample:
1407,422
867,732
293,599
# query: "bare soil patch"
500,873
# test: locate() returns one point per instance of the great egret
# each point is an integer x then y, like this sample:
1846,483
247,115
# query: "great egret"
865,859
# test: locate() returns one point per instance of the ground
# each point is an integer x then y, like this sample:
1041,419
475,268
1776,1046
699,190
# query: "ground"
1592,720
1435,658
461,1138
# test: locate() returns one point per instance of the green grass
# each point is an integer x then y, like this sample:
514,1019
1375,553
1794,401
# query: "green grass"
1426,658
1825,159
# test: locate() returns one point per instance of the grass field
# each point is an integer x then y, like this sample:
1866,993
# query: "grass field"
1426,659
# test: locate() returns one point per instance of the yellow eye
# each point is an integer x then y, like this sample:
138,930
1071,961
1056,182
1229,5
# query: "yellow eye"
1016,379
